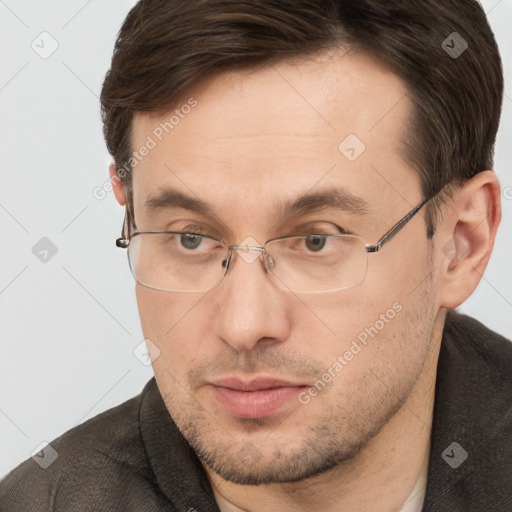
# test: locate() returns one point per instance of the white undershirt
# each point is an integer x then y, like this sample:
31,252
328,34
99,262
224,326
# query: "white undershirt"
414,503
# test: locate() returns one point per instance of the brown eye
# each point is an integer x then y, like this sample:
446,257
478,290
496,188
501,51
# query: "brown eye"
315,243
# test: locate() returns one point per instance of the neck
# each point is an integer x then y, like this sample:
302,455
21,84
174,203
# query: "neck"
381,477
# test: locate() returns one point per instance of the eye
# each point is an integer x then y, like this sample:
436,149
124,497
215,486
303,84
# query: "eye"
190,241
315,243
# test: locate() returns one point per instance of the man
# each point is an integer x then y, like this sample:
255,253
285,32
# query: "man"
309,195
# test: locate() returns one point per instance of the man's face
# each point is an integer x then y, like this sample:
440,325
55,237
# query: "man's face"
255,141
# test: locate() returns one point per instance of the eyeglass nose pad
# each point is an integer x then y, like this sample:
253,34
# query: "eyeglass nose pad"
270,261
227,261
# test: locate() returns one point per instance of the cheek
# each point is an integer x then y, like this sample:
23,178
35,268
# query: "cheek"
176,324
402,265
378,350
382,323
173,323
162,313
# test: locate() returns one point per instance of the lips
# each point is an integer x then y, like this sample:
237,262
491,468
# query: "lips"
257,398
255,384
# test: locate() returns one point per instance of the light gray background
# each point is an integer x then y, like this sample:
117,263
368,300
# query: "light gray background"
68,327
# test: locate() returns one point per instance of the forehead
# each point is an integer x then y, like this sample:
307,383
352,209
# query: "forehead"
262,135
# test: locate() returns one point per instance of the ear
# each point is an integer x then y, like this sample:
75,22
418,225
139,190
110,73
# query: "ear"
117,185
466,237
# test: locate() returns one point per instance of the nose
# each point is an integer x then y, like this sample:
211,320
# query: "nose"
250,307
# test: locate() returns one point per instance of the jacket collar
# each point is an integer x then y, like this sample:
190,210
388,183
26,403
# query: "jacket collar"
471,443
178,471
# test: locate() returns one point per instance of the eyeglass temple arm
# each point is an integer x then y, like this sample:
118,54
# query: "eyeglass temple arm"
396,228
124,242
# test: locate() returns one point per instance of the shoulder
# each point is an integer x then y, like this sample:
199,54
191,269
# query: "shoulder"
102,459
471,450
475,364
488,351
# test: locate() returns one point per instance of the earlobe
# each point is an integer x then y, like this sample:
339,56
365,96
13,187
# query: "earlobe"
117,185
468,234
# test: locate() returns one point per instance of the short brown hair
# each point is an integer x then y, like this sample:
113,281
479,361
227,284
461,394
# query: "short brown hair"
166,46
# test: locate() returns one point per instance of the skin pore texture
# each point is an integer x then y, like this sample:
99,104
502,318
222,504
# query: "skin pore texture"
255,141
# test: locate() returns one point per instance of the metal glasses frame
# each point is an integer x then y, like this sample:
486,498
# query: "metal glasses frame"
124,242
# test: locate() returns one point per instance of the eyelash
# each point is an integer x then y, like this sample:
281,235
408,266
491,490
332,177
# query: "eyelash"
195,230
307,231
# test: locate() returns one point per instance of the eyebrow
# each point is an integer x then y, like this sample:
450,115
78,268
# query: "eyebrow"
336,198
171,199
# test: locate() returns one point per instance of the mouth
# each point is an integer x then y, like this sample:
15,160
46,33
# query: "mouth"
258,398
